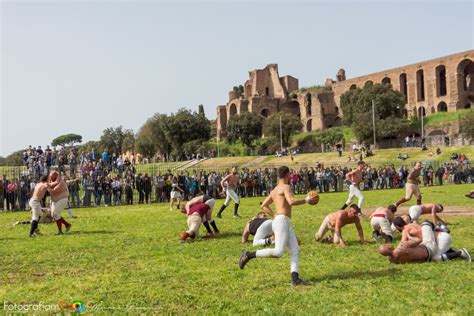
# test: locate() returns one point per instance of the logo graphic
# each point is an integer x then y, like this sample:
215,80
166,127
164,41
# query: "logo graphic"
77,307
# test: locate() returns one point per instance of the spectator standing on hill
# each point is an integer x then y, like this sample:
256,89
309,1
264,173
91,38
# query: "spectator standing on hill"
147,187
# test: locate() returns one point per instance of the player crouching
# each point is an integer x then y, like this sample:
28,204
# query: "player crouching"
261,228
381,221
199,211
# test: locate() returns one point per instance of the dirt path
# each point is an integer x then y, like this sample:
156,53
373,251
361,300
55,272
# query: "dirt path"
448,210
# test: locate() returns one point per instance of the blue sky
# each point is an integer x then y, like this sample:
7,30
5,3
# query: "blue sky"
79,67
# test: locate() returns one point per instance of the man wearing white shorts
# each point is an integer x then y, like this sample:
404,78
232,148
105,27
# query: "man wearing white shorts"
285,237
199,211
381,222
355,177
416,211
261,228
35,203
57,188
229,185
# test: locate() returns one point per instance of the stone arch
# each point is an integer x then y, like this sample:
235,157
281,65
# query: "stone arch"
442,107
386,80
265,113
338,121
308,104
309,125
467,106
441,87
465,74
232,110
421,111
292,107
368,82
352,87
420,85
337,110
437,132
404,85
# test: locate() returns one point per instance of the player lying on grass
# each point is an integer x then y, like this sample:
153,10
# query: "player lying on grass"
335,221
261,228
381,221
199,211
285,237
416,211
422,244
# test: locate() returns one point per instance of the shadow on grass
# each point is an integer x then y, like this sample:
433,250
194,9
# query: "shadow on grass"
91,232
356,275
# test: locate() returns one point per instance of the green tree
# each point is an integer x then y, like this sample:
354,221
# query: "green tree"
467,124
356,106
246,127
290,123
113,139
185,126
14,159
66,140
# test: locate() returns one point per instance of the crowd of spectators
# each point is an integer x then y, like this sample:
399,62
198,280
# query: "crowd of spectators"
101,179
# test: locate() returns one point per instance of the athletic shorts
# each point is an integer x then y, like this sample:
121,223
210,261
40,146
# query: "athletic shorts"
36,211
194,222
382,225
58,207
415,212
175,194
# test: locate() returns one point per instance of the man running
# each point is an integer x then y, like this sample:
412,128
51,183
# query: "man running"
285,237
229,186
199,211
335,221
411,188
381,221
35,203
261,228
59,197
416,211
355,177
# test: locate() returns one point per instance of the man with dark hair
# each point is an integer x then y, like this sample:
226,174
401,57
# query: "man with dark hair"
261,228
411,187
381,221
416,211
35,203
422,244
355,177
334,223
285,237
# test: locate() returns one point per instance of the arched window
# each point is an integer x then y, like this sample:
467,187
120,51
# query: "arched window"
309,125
265,113
386,80
420,85
442,107
353,87
368,83
404,86
308,104
440,80
232,110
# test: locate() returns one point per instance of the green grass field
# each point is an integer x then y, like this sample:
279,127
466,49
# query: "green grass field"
128,259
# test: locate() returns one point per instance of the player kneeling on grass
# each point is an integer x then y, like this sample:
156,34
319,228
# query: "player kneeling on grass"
261,228
199,211
285,237
416,211
424,243
381,221
335,221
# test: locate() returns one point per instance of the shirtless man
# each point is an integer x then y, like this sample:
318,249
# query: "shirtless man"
285,237
261,228
335,221
57,188
199,211
229,186
411,188
381,221
416,211
421,244
35,203
355,177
